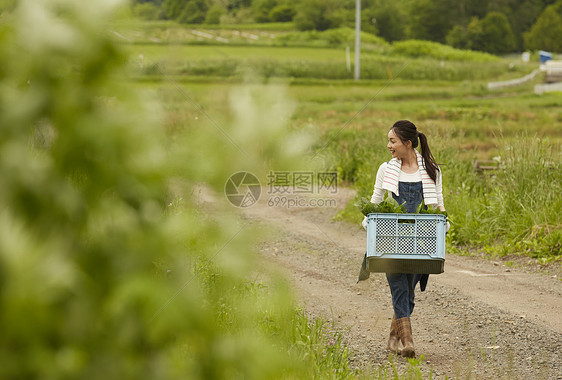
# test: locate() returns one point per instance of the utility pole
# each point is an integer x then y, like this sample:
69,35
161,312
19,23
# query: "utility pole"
357,37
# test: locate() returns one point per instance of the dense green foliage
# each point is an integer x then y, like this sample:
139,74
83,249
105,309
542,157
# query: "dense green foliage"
82,200
546,33
431,19
492,34
318,15
329,38
416,48
483,25
387,206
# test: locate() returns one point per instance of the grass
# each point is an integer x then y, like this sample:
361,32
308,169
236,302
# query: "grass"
315,348
324,353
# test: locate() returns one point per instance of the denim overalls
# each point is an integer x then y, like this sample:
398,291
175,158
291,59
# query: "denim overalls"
402,285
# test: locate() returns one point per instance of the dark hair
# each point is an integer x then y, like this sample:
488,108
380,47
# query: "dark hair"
407,131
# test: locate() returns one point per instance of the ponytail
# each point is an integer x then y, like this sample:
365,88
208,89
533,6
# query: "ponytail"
429,163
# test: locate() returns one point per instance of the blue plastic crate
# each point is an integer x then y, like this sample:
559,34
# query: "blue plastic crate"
406,243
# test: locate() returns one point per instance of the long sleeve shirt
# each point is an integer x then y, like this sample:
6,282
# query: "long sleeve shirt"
378,191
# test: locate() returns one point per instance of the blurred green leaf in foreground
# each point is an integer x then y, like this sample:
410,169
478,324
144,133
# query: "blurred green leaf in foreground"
98,279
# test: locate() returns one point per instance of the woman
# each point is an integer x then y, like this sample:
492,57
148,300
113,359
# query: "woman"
410,177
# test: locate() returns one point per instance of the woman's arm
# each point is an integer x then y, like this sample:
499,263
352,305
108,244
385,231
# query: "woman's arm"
439,191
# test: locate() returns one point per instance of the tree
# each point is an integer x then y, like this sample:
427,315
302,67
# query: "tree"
474,8
474,38
185,11
458,37
546,33
148,11
319,15
389,20
282,13
523,18
492,34
368,20
234,5
262,8
214,14
193,12
496,36
431,20
173,8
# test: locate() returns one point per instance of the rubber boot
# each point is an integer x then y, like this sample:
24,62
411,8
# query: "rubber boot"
405,334
393,339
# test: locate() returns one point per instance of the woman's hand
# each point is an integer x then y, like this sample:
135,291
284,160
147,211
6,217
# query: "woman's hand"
448,226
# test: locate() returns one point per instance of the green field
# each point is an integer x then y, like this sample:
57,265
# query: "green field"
305,63
154,52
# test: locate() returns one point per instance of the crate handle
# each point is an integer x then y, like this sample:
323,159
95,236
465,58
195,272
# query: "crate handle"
407,221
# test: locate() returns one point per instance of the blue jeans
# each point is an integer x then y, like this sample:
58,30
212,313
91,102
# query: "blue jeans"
411,194
402,285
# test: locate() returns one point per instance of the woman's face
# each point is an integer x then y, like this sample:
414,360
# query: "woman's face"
397,148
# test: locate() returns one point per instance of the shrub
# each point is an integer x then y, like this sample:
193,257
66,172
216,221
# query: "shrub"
492,34
148,11
282,13
318,15
193,12
457,37
328,38
262,9
214,14
430,19
416,48
105,271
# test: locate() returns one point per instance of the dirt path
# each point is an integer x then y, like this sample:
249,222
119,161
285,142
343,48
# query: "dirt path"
479,319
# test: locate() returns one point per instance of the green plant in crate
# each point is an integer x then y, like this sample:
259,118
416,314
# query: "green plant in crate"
388,206
423,209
